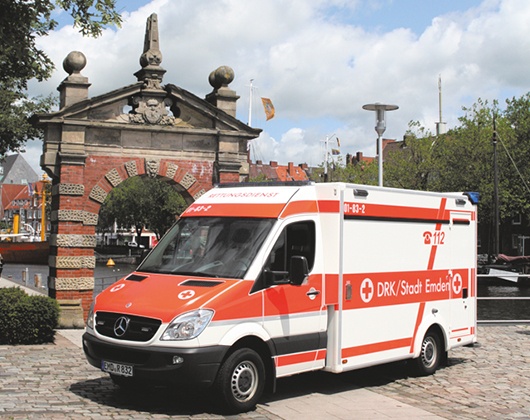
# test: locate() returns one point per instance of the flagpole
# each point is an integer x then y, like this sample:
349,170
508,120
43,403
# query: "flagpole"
250,105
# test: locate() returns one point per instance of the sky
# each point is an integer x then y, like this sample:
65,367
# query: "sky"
319,61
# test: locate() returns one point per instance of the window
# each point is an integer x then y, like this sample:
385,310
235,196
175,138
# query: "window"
297,239
209,247
516,220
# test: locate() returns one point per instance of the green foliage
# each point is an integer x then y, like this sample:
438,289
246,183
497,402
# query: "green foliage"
15,128
142,202
21,24
26,319
365,173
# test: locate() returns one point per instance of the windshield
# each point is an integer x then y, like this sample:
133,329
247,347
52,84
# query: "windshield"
209,246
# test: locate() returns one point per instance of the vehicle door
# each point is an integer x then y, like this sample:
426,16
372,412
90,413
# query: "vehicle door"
293,314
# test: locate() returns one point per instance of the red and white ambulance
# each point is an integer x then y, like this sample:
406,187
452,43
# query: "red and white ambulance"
255,283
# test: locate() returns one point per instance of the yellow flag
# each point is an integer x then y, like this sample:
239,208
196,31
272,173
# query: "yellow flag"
268,107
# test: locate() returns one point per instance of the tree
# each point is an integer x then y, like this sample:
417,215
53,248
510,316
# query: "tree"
356,173
412,165
22,22
142,203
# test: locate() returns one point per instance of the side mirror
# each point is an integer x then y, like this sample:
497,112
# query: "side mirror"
299,269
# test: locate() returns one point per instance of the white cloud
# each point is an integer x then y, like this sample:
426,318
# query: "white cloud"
317,68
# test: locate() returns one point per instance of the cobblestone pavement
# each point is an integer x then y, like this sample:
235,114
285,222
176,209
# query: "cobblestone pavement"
490,381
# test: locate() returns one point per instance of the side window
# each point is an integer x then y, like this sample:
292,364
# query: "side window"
301,241
296,239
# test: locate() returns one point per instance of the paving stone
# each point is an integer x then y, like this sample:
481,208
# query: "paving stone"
490,381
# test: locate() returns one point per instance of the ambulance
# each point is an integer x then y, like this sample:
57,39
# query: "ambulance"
257,282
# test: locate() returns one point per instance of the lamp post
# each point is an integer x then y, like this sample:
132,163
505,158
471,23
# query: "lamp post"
380,127
44,181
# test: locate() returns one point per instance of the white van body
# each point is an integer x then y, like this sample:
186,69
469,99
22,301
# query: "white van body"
335,277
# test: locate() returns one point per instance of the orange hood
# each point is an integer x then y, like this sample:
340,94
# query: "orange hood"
164,296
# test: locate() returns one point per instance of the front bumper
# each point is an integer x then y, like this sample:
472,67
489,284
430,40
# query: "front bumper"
154,364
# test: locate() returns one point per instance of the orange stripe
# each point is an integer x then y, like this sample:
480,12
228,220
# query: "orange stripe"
441,212
459,330
298,207
399,212
421,309
328,206
375,347
293,359
230,209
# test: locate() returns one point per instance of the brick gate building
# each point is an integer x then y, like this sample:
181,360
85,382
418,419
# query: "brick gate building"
91,145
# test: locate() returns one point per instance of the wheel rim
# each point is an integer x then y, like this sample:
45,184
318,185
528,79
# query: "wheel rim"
244,381
429,352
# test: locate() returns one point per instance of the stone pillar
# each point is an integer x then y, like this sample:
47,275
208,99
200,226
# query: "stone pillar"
75,87
72,237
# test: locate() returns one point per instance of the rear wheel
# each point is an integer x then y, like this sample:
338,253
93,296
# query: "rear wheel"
241,381
431,354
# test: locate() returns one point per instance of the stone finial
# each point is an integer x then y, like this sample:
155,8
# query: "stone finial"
74,62
152,55
150,105
151,73
75,87
222,96
220,77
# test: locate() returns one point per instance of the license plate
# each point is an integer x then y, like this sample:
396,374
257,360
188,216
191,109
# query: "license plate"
116,368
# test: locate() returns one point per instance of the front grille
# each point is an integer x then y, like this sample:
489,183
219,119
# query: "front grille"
139,328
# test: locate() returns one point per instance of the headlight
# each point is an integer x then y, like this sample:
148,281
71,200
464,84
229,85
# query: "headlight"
90,318
188,325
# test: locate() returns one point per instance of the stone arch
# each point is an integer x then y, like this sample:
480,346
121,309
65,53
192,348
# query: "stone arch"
186,182
90,146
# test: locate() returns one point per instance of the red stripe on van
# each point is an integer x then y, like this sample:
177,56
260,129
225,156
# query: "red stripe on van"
299,207
375,347
267,210
293,359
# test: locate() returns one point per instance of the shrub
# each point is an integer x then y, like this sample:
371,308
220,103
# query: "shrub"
26,319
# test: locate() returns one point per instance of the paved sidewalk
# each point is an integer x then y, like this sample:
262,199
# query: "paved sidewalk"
490,381
10,283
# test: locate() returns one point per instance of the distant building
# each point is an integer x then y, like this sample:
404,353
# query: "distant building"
389,145
275,172
20,193
15,170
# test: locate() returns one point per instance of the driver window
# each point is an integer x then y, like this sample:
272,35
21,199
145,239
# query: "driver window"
296,239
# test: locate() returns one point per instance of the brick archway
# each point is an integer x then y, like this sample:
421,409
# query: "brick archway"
91,145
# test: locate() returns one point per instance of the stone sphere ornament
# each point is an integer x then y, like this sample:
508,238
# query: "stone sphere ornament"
74,62
223,76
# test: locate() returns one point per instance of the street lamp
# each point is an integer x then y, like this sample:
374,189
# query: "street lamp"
380,127
45,180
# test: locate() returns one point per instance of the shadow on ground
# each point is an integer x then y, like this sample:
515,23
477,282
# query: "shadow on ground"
171,401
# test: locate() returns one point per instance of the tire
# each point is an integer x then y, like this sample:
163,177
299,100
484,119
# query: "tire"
431,355
241,380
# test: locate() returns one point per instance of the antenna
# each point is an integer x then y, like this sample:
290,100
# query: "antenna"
441,127
250,105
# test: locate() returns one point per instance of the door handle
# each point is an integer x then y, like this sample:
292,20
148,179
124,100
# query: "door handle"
313,293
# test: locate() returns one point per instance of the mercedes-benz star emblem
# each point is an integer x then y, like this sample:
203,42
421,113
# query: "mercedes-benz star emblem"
120,326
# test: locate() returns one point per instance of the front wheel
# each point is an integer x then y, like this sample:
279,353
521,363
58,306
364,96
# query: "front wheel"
430,355
241,381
